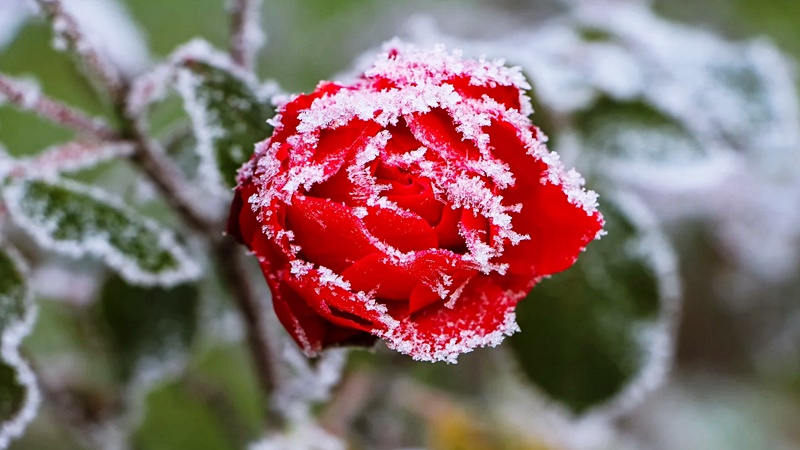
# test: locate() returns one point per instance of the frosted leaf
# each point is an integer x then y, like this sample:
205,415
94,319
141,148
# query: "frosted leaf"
19,394
227,116
151,329
227,107
77,221
637,144
609,317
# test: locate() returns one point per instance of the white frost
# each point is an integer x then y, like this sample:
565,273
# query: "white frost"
12,336
97,243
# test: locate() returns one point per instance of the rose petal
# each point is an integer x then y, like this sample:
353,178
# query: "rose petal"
328,233
403,231
336,303
447,230
481,316
559,230
507,96
388,281
290,112
437,131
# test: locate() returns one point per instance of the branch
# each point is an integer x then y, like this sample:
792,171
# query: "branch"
246,34
27,97
350,399
234,271
171,182
66,27
70,157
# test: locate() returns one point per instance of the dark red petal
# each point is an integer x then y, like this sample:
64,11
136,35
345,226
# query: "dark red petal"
475,225
507,96
335,146
311,331
559,230
328,233
437,131
374,274
240,225
291,111
421,297
419,198
481,316
447,230
441,272
306,327
403,231
338,188
337,304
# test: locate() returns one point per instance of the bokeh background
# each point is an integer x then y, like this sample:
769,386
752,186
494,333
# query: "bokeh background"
735,379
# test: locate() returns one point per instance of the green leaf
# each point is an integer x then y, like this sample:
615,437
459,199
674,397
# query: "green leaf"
19,395
636,132
602,327
227,115
177,418
76,220
150,329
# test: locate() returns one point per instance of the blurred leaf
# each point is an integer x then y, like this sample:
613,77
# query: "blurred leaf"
19,395
13,291
229,368
228,117
150,329
455,430
636,132
176,418
76,220
588,332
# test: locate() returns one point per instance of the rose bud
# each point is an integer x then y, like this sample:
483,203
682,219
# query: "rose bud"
417,204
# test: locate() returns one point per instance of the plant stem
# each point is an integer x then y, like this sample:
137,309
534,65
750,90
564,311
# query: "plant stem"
28,98
174,186
65,27
246,34
229,257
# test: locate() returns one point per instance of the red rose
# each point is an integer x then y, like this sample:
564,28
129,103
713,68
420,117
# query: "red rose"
417,204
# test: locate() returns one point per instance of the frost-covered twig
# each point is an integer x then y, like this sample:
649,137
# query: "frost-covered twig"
246,34
350,399
70,157
68,32
229,258
27,96
171,182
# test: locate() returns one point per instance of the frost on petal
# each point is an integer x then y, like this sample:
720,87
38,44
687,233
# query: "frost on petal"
482,317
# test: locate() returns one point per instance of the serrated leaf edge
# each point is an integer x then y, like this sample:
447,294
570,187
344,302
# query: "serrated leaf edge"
11,339
187,270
